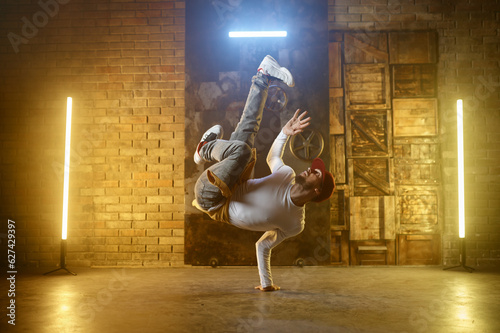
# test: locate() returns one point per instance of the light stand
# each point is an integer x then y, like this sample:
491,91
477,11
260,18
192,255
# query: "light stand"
463,257
62,264
67,150
461,182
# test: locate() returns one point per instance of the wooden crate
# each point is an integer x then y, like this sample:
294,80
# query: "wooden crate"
367,87
369,134
413,47
372,218
415,117
416,161
370,176
385,134
366,48
414,80
417,209
419,249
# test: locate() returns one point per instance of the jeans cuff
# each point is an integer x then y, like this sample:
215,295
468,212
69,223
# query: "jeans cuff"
261,80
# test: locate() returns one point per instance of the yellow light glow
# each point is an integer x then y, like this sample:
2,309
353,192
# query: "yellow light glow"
67,149
460,155
461,305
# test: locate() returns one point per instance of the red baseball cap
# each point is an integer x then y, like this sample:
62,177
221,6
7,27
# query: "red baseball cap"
328,185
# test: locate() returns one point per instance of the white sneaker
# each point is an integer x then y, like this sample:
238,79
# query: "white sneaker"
269,66
213,133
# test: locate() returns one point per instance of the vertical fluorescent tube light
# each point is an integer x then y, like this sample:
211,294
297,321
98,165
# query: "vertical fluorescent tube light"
460,155
461,182
69,106
67,149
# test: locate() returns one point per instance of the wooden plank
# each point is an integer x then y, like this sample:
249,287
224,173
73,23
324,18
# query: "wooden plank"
336,92
339,209
350,179
411,122
345,248
419,237
413,47
389,217
355,217
372,248
390,175
365,76
416,130
335,246
364,48
408,109
337,115
367,87
365,99
339,161
415,117
389,136
335,64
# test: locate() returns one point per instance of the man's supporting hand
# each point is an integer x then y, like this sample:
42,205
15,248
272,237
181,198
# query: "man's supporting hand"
269,288
296,124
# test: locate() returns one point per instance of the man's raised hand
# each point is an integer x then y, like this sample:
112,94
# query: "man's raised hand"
296,124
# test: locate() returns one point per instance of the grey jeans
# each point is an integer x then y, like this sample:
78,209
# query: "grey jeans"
233,155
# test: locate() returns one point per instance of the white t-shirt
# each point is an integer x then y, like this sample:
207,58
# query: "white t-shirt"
264,204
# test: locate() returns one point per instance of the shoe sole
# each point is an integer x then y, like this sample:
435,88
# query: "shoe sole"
273,68
214,129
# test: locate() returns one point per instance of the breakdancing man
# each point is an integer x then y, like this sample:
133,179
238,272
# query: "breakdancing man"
273,204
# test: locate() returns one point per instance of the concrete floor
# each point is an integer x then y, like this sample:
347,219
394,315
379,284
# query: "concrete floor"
312,299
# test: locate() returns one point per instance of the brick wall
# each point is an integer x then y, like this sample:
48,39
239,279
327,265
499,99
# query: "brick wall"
469,54
123,64
122,61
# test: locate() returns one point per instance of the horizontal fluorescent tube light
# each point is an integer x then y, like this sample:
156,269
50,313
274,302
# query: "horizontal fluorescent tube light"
257,34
